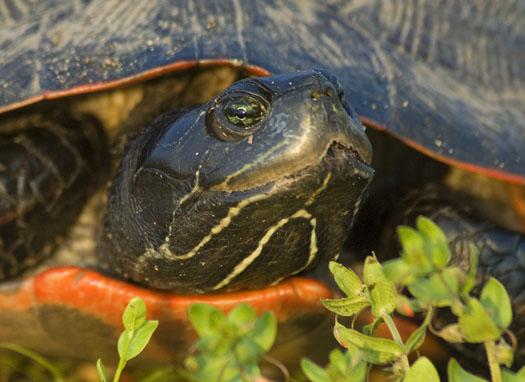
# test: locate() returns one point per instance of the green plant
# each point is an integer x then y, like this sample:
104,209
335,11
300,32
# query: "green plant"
132,341
34,371
424,270
230,346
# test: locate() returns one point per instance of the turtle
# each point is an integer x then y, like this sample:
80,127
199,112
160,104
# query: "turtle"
235,130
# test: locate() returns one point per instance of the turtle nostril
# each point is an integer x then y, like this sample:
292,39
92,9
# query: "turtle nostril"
315,95
331,80
329,92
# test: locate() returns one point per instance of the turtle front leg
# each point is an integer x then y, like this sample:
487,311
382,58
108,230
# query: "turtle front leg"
50,162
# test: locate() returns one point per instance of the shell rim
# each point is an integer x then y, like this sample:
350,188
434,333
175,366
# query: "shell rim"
257,71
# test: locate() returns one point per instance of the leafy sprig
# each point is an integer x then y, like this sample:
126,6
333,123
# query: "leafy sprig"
132,341
230,346
424,270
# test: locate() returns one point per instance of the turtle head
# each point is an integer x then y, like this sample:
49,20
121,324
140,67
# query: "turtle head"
252,187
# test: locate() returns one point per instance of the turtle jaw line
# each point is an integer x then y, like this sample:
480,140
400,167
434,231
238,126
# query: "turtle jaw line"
356,159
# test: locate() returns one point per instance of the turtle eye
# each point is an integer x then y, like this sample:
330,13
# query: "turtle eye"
238,115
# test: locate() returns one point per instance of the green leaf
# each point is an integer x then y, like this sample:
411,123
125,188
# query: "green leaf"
476,324
140,339
123,343
504,353
346,366
457,374
438,289
383,293
247,351
313,372
508,376
264,331
398,271
422,370
430,230
417,337
217,344
375,350
102,372
338,361
205,319
470,280
451,333
496,301
413,252
347,306
371,327
135,314
346,279
436,243
243,316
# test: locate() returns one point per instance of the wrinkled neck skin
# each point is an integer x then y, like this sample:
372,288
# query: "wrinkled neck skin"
254,186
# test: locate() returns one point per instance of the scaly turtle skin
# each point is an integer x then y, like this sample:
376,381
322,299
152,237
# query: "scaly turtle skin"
412,71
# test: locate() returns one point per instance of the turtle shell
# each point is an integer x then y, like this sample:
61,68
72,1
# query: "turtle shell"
432,75
446,78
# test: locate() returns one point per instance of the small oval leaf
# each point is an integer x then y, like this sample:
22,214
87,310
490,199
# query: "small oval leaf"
451,333
457,374
135,314
264,331
422,370
435,240
346,279
375,350
140,339
398,271
123,343
243,316
496,301
509,376
476,325
205,319
313,372
416,339
413,250
383,293
102,372
347,306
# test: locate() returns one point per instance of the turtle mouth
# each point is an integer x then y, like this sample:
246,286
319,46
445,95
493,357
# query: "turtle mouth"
350,156
338,157
337,153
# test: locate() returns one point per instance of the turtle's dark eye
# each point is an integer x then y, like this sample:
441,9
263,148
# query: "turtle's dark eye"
244,112
238,115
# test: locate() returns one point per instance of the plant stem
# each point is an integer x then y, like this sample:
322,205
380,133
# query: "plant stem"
392,327
242,372
37,358
495,371
120,368
397,338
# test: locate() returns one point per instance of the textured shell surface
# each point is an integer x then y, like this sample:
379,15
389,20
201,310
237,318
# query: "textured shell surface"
447,77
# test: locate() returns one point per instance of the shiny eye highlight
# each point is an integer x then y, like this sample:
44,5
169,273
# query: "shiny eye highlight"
237,115
244,112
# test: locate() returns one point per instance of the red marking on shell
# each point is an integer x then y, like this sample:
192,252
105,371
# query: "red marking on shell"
148,74
490,172
17,296
517,195
106,298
